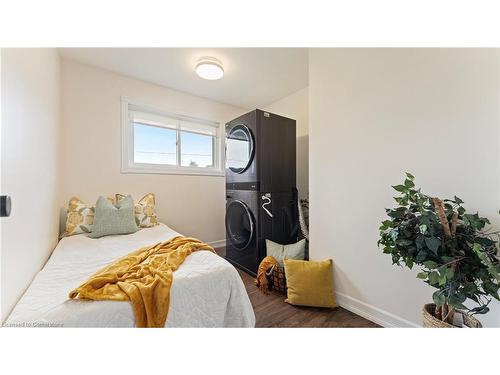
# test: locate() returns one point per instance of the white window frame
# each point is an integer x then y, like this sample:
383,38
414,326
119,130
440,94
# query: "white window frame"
127,132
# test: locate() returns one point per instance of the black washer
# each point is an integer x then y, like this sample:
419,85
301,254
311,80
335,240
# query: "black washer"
240,224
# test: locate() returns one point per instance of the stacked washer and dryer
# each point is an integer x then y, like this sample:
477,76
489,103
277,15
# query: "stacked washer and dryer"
261,194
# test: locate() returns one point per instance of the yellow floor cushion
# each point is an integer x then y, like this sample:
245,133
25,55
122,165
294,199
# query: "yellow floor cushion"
309,283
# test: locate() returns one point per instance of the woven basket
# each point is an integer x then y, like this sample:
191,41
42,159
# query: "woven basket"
430,321
276,279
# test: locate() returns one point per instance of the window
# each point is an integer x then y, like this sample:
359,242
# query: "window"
155,141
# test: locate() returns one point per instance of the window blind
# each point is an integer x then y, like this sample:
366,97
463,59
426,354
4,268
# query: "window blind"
171,122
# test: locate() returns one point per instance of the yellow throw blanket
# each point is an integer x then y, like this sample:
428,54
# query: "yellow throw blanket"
143,277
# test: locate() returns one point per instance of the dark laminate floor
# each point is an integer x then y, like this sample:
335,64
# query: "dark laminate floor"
272,311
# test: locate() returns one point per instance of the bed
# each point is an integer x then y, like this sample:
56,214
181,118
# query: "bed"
206,291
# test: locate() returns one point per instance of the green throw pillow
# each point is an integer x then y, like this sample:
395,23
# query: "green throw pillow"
113,219
282,252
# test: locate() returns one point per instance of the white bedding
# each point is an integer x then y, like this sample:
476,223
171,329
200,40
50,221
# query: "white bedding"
206,291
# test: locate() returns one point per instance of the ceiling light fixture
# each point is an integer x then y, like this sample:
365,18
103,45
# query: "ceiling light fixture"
209,68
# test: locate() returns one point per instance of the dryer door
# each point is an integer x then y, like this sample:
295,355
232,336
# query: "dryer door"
240,224
239,148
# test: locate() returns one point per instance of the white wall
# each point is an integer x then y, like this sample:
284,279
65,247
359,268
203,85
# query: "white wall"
30,157
192,205
374,114
296,106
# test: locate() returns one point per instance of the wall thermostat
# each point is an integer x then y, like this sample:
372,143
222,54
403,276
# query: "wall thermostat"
5,205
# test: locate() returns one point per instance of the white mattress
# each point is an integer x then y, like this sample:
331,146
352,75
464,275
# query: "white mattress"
207,291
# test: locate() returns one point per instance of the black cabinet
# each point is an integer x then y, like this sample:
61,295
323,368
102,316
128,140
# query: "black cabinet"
261,198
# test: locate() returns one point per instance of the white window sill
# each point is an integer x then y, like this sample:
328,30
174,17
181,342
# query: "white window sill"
173,171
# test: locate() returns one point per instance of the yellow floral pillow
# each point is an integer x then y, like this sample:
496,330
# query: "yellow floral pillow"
145,212
80,217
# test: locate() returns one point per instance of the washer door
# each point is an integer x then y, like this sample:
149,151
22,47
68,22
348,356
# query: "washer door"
239,149
239,224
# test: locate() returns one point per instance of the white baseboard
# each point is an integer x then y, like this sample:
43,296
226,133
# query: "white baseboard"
217,244
367,311
370,312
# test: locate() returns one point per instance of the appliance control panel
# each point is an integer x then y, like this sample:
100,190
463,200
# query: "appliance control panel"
242,186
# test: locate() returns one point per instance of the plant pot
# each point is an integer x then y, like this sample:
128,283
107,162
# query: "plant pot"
430,321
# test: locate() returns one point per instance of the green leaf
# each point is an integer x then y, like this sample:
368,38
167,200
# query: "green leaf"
397,214
474,221
442,279
410,176
446,259
491,288
395,259
400,188
386,224
422,275
457,305
469,288
433,278
458,200
420,242
430,264
456,300
450,272
387,250
404,242
480,310
438,298
422,256
494,271
433,244
394,234
460,297
478,248
422,228
409,184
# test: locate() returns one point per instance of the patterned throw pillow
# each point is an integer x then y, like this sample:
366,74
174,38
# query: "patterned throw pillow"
80,217
145,212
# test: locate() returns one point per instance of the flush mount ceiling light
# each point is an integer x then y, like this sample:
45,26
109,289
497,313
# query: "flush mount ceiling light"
209,68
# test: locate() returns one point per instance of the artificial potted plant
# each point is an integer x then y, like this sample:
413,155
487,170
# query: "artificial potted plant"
457,256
